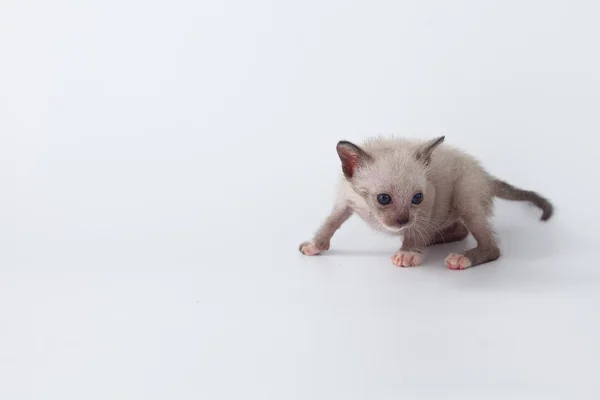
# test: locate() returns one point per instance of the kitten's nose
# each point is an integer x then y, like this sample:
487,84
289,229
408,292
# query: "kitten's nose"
402,221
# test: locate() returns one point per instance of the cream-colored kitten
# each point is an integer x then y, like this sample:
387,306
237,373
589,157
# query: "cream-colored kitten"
428,192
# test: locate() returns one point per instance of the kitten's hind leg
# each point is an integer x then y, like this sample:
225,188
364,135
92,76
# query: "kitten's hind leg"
485,251
473,199
454,233
322,238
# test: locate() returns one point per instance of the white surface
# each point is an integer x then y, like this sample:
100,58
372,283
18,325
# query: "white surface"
161,162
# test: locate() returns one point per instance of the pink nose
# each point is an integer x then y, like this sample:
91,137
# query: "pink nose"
402,221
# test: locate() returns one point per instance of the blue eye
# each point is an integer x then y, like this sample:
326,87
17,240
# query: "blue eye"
417,198
384,199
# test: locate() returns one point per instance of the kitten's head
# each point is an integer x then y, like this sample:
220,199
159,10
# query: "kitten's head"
392,180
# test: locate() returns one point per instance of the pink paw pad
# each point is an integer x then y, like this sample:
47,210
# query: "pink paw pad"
457,261
407,259
309,249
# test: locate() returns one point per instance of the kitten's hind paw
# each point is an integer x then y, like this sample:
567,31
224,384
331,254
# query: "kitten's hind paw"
458,261
309,249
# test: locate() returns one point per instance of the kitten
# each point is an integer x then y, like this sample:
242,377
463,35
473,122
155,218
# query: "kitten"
425,191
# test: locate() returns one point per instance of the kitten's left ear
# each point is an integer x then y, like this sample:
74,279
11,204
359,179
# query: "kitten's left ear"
424,152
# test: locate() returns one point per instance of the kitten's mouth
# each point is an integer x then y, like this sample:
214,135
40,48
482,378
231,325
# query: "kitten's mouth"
397,229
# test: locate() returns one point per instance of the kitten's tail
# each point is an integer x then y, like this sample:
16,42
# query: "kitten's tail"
509,192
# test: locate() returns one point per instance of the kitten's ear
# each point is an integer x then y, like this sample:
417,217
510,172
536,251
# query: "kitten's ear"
424,152
351,156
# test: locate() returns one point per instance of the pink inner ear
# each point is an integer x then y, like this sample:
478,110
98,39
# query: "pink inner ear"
349,163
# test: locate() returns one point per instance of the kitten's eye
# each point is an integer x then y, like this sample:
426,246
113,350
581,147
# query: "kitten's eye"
417,198
384,198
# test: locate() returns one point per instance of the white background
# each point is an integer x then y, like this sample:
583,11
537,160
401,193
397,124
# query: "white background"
160,162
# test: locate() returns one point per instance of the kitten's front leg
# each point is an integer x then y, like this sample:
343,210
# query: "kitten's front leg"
411,252
320,242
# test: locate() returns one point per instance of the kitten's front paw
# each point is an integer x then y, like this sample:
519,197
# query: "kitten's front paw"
458,261
407,259
310,249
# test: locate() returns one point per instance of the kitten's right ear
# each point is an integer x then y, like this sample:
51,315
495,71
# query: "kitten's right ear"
351,156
